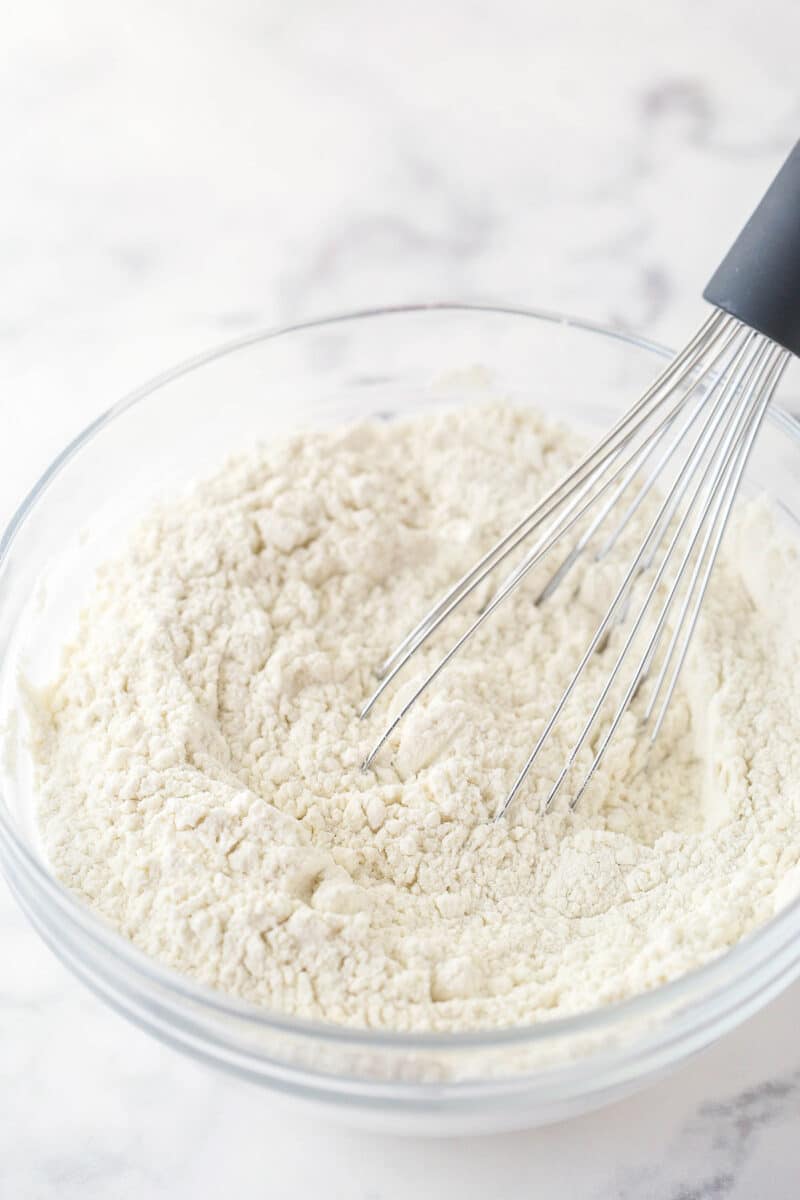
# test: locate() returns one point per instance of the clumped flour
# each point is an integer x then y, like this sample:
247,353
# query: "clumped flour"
198,755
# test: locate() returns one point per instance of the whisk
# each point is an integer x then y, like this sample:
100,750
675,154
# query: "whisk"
686,442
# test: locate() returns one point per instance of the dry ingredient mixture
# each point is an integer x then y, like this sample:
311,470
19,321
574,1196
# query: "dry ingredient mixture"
198,755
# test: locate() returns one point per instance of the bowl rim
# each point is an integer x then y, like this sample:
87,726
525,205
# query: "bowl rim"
708,981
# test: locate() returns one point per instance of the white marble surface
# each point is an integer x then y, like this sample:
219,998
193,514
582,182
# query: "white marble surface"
175,174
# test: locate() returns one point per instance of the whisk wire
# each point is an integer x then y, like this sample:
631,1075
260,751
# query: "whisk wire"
711,399
565,521
645,452
554,532
733,431
778,366
701,401
712,420
679,370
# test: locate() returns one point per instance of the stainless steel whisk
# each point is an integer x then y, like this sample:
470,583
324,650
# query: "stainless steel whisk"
689,437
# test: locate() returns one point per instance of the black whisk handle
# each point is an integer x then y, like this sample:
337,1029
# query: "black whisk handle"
758,281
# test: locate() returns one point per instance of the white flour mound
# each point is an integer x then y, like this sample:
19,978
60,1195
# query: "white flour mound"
198,755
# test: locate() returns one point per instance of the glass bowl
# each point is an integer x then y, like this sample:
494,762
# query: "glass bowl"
179,427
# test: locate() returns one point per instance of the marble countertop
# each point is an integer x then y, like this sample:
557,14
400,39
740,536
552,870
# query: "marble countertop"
176,174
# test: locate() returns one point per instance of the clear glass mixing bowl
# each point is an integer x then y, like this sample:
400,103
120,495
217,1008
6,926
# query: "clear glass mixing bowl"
179,427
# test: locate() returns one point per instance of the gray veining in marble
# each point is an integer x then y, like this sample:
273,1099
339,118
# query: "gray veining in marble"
176,174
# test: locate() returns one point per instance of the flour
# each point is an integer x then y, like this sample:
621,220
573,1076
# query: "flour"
198,755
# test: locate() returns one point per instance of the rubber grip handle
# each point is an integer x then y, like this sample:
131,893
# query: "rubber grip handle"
758,281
